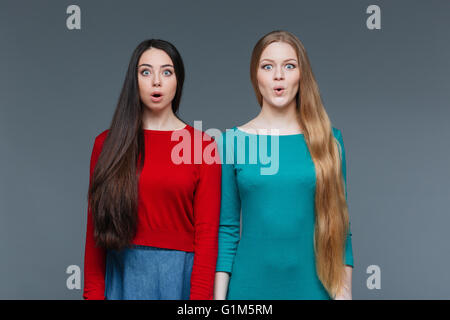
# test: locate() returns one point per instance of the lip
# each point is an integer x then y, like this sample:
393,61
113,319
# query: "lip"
156,99
279,90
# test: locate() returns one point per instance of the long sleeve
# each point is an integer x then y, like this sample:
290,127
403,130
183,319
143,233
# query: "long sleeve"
94,257
230,209
206,223
348,245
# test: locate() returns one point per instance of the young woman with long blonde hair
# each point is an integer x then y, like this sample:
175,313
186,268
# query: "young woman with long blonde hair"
295,241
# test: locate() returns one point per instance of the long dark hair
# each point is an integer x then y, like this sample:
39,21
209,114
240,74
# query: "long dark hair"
113,192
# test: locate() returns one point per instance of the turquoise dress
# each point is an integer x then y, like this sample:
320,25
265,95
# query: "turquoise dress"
272,257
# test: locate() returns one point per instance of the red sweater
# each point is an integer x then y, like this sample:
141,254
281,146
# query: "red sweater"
178,208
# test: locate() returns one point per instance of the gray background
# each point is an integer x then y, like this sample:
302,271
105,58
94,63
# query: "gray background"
387,90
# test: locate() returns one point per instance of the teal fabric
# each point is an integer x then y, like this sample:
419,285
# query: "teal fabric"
274,256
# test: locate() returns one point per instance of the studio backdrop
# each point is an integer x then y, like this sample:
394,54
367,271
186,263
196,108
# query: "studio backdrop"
383,73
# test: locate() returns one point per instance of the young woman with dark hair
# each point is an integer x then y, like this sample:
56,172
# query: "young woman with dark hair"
152,222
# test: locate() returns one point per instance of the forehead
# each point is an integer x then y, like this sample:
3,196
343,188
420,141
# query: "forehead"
155,57
279,51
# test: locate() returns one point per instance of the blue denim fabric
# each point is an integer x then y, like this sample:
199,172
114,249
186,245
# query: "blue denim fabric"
148,273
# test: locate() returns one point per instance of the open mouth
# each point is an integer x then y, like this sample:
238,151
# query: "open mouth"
156,96
278,90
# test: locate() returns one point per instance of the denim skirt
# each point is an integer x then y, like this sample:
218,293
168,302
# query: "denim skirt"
148,273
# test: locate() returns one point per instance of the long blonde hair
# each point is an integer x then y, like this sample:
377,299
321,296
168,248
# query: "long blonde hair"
331,215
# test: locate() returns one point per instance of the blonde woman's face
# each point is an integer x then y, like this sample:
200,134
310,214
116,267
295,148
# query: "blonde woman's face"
156,79
278,74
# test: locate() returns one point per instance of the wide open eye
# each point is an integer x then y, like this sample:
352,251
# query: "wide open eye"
290,66
267,67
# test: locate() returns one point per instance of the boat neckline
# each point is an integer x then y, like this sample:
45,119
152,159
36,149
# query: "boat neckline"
270,135
164,131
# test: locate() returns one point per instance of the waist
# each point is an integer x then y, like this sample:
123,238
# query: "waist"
168,239
252,237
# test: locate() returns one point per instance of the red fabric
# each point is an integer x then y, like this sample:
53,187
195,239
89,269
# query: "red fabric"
179,207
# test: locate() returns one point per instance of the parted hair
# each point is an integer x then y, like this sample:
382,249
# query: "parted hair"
331,212
113,191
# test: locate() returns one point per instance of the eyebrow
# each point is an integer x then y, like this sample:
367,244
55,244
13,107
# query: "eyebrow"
283,61
149,65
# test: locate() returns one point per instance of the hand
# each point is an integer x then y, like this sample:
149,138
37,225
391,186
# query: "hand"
344,294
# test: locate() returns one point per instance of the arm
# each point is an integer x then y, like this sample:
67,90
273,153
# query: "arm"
229,227
221,285
346,293
94,257
206,221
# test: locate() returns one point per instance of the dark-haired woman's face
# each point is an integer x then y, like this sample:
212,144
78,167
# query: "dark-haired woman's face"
156,79
278,74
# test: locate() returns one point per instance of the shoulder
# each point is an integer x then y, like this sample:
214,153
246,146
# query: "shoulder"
210,154
97,148
100,139
228,134
102,136
338,135
336,132
248,126
213,135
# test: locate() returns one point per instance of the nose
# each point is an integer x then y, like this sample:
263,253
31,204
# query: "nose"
157,80
278,74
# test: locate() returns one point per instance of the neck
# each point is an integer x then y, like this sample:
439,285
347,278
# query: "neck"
272,117
163,119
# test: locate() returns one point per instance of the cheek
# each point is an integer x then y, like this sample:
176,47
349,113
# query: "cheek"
143,84
172,85
263,81
294,80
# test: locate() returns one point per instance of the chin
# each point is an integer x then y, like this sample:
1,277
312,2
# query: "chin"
280,104
156,107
